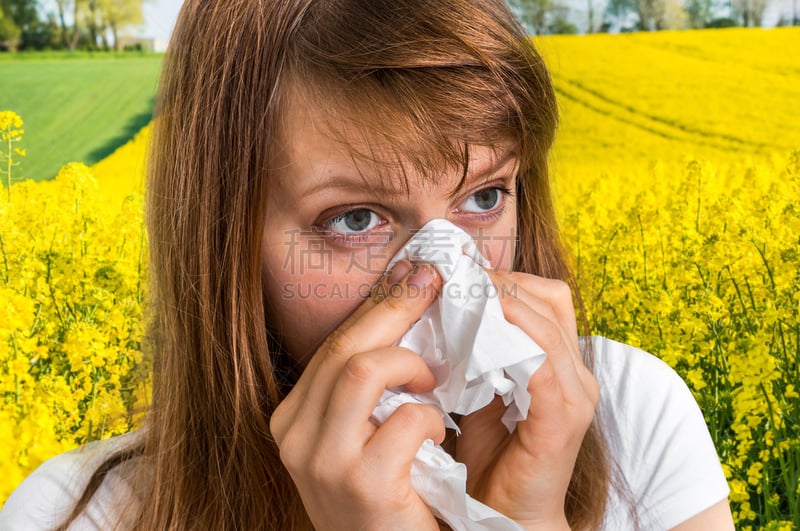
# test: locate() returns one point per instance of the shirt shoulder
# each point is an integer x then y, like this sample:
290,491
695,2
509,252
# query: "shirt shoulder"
657,437
46,497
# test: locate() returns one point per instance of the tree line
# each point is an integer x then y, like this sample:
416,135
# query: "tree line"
96,24
553,16
66,24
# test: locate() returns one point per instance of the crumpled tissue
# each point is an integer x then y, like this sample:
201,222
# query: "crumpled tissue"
475,354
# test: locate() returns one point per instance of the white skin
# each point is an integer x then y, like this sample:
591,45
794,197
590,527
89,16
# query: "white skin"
352,474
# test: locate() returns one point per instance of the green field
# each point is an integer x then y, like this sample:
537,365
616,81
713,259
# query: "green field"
79,109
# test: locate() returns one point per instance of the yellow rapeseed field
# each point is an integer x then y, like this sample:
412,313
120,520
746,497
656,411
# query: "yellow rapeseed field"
711,94
677,174
700,265
72,286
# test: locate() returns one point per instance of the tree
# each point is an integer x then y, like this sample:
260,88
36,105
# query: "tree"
651,14
22,13
9,33
596,17
562,26
699,13
74,9
84,23
20,19
675,15
749,12
92,18
618,13
64,6
45,34
117,14
535,14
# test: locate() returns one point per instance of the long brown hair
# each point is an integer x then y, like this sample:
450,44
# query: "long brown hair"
429,77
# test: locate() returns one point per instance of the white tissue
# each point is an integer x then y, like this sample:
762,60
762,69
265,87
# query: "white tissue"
475,354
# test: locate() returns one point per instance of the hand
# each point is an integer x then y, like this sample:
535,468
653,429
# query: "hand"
525,475
351,474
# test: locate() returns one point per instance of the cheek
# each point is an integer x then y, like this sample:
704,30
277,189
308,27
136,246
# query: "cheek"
499,246
307,300
500,253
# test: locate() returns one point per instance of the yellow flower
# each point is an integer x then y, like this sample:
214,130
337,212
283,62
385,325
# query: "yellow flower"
10,120
754,474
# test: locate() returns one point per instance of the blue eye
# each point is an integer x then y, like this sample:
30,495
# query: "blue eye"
354,221
483,200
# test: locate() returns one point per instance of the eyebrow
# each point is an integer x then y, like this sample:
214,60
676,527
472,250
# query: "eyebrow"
344,182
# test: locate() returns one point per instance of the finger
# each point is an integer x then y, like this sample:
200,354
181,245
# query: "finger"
556,421
380,290
552,299
565,412
381,326
399,439
298,398
393,306
550,337
549,297
384,320
360,385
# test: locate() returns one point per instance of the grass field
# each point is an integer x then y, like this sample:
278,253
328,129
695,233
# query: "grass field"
80,109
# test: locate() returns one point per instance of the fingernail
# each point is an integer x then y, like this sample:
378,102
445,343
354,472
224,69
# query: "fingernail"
399,271
421,276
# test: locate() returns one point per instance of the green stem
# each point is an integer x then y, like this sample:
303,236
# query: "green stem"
750,324
142,233
16,376
8,168
605,268
766,264
5,258
644,249
789,480
699,203
91,405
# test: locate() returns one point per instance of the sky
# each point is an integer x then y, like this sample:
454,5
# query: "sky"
159,17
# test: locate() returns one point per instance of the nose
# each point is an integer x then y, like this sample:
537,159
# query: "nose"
427,210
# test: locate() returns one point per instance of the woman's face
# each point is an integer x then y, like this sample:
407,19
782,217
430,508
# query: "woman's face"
334,224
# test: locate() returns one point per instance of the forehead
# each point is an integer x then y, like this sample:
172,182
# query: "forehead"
326,148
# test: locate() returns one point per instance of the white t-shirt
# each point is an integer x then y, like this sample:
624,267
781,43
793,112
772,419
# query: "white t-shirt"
655,430
658,437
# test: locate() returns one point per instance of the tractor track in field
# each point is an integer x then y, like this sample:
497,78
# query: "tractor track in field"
656,125
702,54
